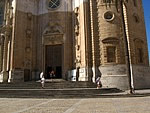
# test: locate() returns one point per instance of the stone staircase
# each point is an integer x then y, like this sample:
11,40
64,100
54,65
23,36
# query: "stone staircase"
53,89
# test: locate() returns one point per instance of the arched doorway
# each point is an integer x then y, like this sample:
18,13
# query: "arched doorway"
53,50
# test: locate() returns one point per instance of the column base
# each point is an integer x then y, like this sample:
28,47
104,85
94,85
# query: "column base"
96,73
10,78
83,74
35,75
4,76
16,75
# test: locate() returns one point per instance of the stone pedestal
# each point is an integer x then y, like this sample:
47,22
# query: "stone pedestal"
16,75
10,78
83,74
35,75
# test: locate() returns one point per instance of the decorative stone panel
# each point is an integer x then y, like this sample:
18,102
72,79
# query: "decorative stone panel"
53,39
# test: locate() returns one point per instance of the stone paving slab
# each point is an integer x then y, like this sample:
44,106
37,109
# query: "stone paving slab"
82,105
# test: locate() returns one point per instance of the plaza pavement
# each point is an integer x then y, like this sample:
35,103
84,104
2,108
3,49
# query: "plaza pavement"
110,103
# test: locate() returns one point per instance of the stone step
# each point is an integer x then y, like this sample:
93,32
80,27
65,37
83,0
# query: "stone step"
49,85
56,93
52,89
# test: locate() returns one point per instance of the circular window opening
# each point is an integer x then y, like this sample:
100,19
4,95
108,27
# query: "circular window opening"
108,16
53,4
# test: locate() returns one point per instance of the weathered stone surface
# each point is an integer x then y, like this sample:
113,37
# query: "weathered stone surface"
81,35
85,105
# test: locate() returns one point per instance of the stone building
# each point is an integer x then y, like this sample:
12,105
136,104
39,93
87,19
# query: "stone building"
78,39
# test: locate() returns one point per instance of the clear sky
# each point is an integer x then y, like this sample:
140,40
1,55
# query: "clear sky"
146,5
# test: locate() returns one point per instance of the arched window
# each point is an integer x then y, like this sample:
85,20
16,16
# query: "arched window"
111,54
140,55
139,51
111,50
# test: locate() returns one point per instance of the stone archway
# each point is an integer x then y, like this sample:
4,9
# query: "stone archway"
53,51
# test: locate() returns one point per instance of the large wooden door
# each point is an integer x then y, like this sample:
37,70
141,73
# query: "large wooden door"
53,60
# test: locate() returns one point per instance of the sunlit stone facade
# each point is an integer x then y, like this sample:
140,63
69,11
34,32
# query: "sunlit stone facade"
78,39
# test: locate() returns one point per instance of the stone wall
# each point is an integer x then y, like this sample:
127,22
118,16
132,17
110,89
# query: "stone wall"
136,31
32,19
114,76
87,30
141,76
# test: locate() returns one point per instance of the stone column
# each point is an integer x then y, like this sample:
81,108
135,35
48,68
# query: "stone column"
85,35
7,34
4,73
88,49
12,17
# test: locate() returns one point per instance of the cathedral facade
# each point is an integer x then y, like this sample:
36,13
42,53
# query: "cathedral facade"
78,39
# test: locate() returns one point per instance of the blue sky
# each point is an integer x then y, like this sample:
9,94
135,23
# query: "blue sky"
146,6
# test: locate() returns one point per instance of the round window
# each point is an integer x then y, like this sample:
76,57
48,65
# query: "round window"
53,4
108,16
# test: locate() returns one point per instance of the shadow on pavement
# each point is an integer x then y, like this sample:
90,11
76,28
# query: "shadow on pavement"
49,95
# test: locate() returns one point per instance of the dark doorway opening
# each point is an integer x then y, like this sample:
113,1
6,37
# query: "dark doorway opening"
48,70
27,76
58,72
53,60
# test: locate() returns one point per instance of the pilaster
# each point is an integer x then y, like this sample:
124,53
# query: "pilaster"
7,30
82,33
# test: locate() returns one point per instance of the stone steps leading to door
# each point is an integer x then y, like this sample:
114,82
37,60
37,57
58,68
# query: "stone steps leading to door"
53,89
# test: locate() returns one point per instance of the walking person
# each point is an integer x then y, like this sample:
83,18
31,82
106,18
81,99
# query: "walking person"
42,79
41,75
98,82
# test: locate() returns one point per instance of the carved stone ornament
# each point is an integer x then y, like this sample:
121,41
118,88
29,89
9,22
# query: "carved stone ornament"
28,49
53,29
77,30
29,15
28,31
53,39
53,34
76,11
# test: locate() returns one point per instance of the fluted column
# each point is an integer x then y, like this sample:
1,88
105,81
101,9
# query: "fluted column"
83,46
